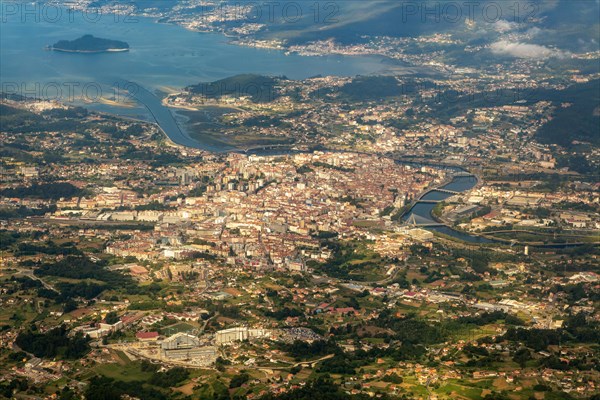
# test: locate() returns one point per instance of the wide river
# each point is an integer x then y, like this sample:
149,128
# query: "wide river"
422,211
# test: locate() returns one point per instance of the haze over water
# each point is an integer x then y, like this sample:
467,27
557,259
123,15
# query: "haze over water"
161,56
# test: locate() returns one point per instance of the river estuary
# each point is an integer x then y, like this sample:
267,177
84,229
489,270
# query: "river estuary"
162,58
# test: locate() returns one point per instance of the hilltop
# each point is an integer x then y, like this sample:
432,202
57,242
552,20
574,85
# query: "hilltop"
90,44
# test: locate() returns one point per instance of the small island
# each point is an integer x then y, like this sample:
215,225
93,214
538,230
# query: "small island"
89,44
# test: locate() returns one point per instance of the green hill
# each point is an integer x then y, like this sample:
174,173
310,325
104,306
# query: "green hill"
580,121
90,44
261,89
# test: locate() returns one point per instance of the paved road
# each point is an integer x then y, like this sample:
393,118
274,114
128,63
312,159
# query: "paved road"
28,273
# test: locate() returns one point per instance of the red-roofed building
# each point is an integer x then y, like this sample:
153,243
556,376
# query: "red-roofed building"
138,270
323,307
146,336
492,214
346,310
378,291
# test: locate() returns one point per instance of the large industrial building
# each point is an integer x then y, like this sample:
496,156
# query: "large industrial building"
183,346
239,334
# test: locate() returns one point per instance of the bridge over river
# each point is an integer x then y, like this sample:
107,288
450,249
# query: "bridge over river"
420,222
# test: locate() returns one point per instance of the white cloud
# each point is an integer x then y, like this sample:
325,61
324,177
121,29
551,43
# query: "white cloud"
534,31
504,26
525,50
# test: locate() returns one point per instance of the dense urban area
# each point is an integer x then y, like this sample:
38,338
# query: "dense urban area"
393,236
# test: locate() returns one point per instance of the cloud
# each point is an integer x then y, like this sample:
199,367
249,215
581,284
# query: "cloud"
525,50
534,31
504,26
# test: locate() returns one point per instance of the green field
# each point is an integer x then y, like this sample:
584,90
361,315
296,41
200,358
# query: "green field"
128,371
177,328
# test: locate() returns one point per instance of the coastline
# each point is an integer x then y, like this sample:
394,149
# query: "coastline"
88,51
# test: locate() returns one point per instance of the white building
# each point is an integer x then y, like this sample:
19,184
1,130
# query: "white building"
182,346
238,334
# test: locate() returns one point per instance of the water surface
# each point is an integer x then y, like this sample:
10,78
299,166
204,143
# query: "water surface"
162,57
